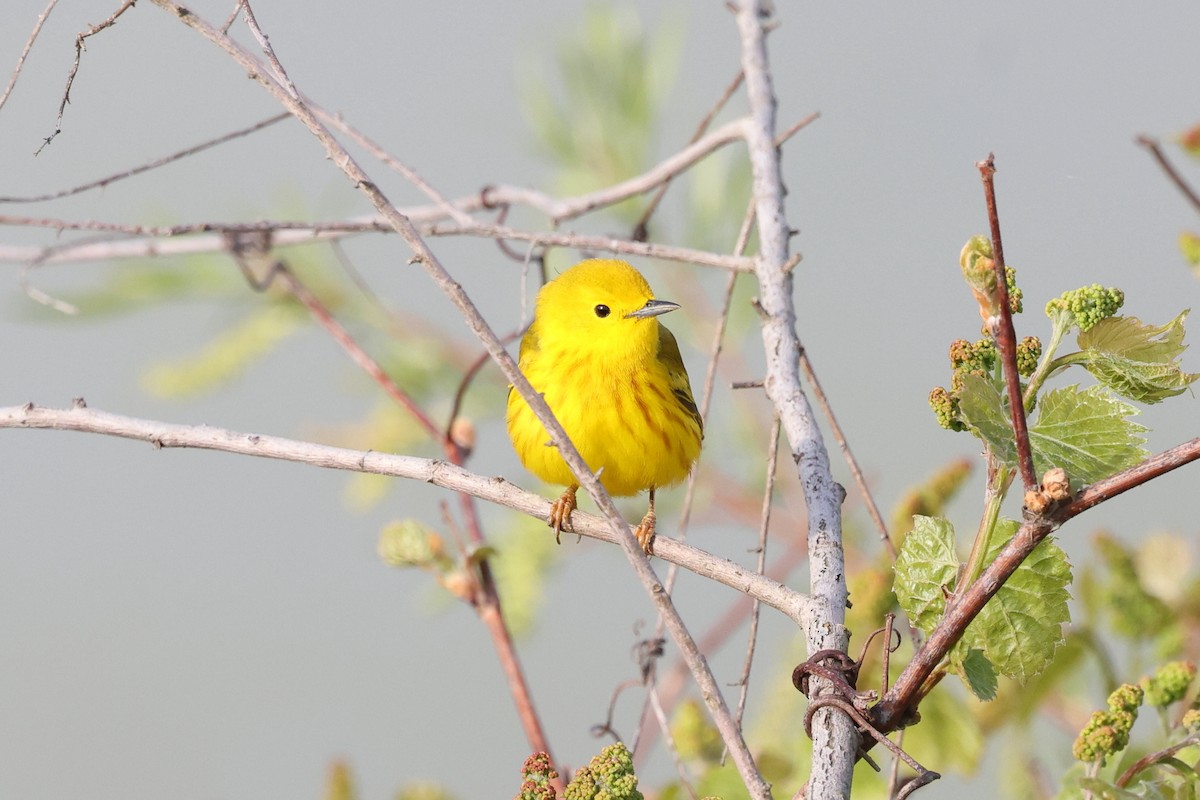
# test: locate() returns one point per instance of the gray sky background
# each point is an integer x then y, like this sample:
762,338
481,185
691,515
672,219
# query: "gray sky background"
198,625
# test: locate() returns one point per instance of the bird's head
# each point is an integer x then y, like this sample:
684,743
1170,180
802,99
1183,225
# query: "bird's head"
601,306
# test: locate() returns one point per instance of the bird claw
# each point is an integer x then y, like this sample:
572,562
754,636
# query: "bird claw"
560,514
645,533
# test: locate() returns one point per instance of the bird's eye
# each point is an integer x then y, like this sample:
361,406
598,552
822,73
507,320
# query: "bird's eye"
603,311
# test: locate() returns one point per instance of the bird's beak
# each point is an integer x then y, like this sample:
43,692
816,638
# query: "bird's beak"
653,308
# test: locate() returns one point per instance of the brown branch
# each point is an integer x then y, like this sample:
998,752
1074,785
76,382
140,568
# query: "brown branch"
1153,758
79,48
1156,150
246,249
893,710
1003,331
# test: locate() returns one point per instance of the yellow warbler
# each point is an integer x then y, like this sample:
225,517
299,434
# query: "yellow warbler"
615,380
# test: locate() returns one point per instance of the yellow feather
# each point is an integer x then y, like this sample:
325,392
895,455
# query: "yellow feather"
613,376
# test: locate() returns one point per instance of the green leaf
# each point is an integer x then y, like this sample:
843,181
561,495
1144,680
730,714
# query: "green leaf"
977,672
927,563
1087,433
1138,361
986,414
1021,626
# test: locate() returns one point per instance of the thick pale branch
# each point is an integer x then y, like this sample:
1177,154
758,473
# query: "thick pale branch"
794,605
834,738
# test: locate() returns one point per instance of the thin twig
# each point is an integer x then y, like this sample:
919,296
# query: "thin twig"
1153,758
138,170
664,728
79,48
290,232
706,393
640,232
16,73
265,43
393,163
865,491
245,251
469,376
1156,150
763,528
1003,331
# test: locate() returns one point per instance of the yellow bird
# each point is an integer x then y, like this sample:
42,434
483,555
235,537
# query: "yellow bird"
614,378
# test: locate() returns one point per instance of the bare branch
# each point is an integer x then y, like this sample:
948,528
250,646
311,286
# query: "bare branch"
16,73
835,740
1183,186
129,173
286,233
498,491
79,48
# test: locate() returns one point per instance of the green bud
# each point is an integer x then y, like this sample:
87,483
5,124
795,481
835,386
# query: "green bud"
408,543
1128,698
1087,305
536,776
1169,684
1029,352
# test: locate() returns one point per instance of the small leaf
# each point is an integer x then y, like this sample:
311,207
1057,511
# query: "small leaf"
1021,626
1084,432
977,672
1087,433
927,563
1138,361
986,414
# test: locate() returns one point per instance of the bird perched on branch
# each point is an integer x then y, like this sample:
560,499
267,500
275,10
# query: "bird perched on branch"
613,376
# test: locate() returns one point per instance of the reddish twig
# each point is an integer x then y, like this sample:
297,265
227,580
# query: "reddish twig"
898,703
247,249
1177,179
1003,331
1153,758
469,376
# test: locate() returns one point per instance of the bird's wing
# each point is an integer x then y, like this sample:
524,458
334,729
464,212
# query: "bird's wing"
668,354
529,346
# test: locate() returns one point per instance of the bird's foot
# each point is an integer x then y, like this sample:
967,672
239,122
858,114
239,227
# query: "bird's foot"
560,513
645,533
